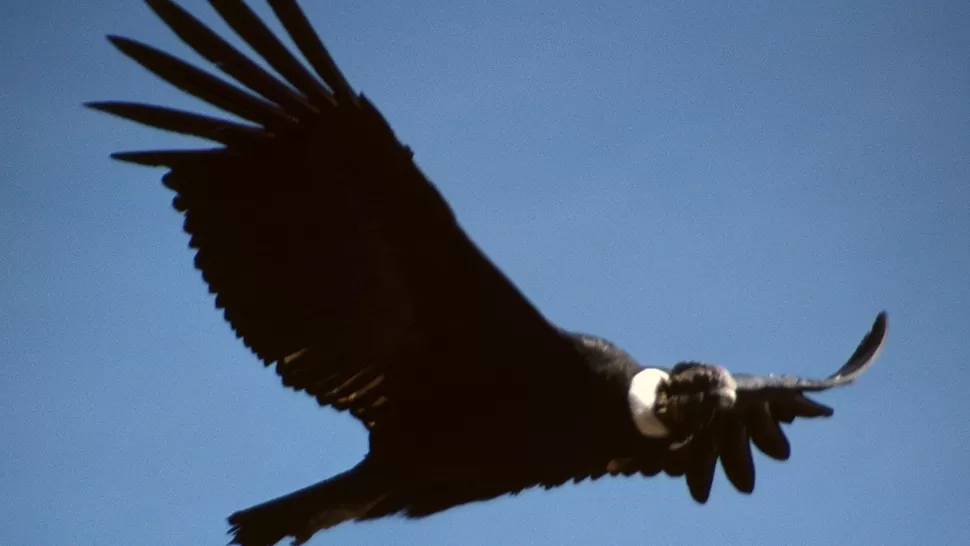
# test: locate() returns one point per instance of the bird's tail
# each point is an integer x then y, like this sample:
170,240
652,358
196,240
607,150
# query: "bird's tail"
347,496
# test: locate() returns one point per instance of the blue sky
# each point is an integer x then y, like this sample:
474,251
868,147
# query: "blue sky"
746,183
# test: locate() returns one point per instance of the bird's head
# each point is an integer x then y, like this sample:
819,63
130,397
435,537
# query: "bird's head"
678,404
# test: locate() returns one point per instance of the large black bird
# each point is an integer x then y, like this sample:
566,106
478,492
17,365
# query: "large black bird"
335,259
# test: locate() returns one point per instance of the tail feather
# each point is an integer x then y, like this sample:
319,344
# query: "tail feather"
347,496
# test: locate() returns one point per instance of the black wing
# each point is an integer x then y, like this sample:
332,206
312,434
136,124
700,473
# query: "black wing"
750,387
762,404
330,252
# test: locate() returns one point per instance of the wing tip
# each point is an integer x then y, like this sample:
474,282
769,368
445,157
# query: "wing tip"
112,107
120,42
138,158
881,323
866,352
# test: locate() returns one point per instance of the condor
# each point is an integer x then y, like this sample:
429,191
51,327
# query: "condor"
337,261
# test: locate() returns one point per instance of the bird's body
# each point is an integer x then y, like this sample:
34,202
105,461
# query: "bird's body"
335,259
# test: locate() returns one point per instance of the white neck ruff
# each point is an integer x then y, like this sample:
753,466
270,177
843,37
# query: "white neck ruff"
642,398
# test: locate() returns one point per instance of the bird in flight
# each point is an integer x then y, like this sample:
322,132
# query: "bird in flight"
336,260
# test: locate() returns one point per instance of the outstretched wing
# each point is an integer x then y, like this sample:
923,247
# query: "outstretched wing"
752,387
329,251
763,403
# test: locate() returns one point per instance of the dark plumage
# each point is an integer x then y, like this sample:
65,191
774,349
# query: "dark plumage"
335,259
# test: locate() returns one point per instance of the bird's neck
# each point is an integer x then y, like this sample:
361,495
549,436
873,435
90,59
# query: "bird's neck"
642,398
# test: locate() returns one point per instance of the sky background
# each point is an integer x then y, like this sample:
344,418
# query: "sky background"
746,183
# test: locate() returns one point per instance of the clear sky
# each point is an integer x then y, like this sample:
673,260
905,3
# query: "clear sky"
746,183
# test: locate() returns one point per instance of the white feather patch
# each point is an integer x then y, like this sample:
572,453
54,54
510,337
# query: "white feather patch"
642,397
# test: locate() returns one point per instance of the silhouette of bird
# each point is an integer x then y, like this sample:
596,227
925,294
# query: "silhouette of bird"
337,261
